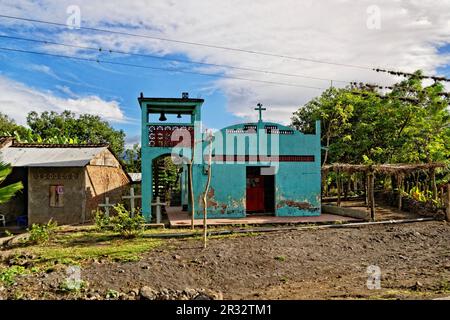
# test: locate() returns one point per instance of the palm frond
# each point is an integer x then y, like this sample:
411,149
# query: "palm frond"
9,191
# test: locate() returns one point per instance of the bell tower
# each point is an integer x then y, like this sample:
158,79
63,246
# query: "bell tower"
168,124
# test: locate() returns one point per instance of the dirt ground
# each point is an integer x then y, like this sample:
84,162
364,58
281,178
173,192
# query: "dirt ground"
414,260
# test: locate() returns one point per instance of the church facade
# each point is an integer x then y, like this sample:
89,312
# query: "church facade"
259,168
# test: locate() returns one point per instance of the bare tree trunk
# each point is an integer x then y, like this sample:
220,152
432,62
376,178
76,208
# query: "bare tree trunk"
205,194
325,157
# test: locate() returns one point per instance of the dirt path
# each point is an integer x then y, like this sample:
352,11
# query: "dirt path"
320,264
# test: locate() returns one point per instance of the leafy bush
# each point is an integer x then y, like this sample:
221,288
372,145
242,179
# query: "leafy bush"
127,226
8,276
41,233
112,294
102,221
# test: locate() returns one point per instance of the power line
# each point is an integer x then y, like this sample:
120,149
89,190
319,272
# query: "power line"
371,87
191,43
226,48
159,68
408,74
100,49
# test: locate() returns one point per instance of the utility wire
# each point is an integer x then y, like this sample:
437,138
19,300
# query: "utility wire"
100,49
190,43
159,68
221,47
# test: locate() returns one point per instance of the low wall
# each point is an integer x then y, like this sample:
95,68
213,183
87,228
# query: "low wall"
346,212
425,209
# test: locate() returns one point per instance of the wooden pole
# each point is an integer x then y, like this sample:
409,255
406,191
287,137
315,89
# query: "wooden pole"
366,189
191,184
371,196
433,183
447,206
338,183
347,188
205,194
400,191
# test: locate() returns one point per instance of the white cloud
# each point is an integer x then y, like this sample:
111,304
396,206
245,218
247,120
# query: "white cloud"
66,90
17,99
409,37
130,141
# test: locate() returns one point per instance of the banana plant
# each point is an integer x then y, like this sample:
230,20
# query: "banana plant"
8,191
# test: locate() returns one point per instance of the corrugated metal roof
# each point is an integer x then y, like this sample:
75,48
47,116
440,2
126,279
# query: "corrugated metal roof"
49,157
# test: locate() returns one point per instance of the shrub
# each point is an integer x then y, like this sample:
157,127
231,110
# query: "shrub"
127,226
41,233
8,276
102,221
112,294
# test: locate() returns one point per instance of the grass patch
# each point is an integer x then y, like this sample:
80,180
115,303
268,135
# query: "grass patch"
72,286
280,258
73,248
117,250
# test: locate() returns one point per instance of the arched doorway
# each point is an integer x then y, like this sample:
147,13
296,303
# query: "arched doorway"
167,181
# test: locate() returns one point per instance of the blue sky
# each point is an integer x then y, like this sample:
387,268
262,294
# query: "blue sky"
408,35
72,78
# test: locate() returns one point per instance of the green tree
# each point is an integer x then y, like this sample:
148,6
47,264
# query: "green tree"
360,123
332,109
8,127
7,192
83,129
132,159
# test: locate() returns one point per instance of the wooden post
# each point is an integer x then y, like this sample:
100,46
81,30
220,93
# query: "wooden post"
366,189
205,194
338,183
191,184
442,196
347,188
433,183
371,195
400,191
447,205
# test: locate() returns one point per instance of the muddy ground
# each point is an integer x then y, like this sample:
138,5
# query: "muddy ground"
414,260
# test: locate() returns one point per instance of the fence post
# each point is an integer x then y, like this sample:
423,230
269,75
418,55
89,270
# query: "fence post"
371,195
447,205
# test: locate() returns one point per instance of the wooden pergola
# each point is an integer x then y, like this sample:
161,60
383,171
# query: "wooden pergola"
398,170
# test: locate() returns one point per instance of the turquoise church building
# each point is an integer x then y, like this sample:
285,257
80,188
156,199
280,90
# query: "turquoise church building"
258,168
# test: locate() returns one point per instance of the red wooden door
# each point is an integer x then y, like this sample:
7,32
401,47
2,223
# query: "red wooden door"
255,193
